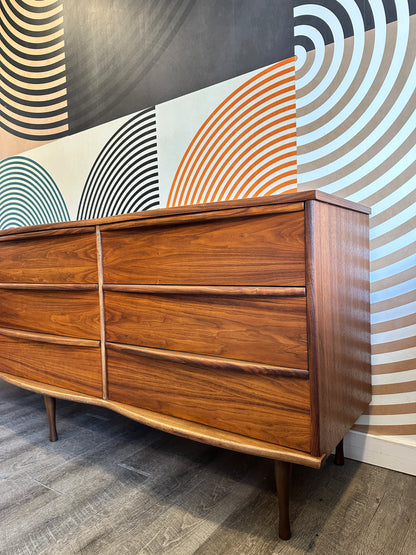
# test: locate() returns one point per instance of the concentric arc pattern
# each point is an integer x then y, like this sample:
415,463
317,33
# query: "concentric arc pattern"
356,105
33,94
28,195
247,147
124,178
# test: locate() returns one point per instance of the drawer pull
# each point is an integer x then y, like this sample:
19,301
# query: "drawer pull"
145,219
229,291
210,361
15,235
46,338
51,286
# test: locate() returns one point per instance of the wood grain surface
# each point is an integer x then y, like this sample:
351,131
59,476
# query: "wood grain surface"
207,362
50,259
50,338
245,254
207,290
68,313
269,408
260,250
171,216
45,231
339,320
271,330
69,366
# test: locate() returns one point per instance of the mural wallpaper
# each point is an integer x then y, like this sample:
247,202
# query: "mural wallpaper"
110,107
33,94
28,194
124,177
356,120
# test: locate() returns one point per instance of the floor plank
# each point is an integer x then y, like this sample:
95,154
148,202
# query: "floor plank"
111,485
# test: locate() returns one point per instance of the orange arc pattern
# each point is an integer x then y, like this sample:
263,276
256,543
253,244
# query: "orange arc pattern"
234,151
247,146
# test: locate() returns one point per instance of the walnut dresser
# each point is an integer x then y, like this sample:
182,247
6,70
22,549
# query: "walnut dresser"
242,324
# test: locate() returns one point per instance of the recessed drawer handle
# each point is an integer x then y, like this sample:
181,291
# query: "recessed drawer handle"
51,286
46,338
209,361
230,291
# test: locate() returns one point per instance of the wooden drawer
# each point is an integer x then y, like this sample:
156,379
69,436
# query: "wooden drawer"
258,250
68,313
69,366
219,325
49,259
251,403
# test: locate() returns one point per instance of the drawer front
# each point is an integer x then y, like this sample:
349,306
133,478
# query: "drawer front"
258,250
60,259
68,313
266,330
271,408
68,366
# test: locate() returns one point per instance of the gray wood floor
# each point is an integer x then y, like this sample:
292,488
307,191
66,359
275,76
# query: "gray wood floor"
113,486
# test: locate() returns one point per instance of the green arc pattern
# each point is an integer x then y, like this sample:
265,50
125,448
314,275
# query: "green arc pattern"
28,195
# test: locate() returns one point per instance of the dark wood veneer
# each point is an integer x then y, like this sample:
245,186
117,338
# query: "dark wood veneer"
49,259
339,326
231,327
209,252
66,365
62,312
264,407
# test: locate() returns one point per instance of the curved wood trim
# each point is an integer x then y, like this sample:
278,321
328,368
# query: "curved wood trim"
210,361
47,338
102,314
177,426
47,230
202,216
229,291
51,286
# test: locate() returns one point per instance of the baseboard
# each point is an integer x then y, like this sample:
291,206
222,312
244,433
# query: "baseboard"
381,451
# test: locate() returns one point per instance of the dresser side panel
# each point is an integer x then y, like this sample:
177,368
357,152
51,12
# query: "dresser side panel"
338,296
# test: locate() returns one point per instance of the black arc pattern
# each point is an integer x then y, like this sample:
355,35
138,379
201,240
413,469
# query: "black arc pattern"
124,178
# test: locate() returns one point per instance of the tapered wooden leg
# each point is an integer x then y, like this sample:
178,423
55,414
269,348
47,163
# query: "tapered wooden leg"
339,453
283,471
50,405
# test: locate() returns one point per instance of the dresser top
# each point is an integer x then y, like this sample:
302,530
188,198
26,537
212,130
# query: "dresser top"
278,200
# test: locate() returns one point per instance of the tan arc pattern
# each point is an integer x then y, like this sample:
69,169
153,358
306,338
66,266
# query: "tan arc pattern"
365,151
33,95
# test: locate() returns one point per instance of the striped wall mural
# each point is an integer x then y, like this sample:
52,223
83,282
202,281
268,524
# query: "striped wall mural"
128,106
247,146
33,99
28,195
356,121
124,177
